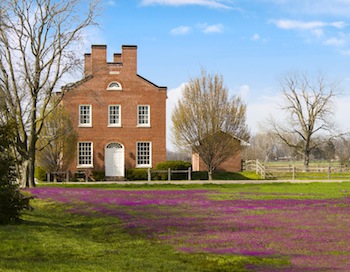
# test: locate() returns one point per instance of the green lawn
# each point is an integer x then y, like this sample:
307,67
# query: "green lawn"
52,238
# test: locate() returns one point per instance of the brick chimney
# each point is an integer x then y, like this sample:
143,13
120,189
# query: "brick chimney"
87,64
98,58
129,58
117,58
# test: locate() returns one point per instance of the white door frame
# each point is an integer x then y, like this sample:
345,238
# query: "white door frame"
114,160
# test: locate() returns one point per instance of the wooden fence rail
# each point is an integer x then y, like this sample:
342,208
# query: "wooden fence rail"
293,172
169,172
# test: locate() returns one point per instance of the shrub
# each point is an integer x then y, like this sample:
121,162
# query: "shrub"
98,175
137,174
12,201
40,173
173,165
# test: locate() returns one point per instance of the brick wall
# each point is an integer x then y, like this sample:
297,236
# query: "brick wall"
135,91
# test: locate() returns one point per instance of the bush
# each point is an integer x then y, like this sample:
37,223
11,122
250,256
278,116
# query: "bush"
12,201
173,165
98,175
40,173
137,174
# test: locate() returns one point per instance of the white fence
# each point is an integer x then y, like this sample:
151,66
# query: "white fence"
291,171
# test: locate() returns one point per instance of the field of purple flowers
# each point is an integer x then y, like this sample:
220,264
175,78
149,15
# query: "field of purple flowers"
311,234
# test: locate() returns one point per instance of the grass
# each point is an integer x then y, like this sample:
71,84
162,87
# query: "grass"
78,236
51,239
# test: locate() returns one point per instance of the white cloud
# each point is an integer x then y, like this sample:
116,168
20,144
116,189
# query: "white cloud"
174,95
315,7
244,91
207,3
181,30
342,113
345,53
218,28
302,25
111,3
255,37
335,42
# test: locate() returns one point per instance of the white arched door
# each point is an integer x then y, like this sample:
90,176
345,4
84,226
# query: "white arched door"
114,160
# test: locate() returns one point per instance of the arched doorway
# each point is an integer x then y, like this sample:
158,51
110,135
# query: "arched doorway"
114,160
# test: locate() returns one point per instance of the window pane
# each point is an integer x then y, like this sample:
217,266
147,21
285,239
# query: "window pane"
85,154
85,112
143,115
143,153
114,115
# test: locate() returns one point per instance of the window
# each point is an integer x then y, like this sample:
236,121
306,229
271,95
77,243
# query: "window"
144,154
85,119
85,154
114,86
114,116
143,116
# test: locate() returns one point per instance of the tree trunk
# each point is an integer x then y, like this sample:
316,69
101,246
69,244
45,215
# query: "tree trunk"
210,174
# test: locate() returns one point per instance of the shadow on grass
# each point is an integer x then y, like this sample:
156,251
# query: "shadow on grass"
220,175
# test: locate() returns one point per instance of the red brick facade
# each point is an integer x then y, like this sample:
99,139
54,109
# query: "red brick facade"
120,117
232,164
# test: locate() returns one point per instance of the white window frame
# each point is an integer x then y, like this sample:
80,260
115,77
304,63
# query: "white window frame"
118,124
114,86
89,124
148,124
138,149
85,165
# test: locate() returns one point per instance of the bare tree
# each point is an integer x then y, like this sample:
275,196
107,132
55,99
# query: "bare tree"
37,41
208,121
309,105
342,148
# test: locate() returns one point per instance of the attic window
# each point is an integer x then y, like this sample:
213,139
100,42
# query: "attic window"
114,86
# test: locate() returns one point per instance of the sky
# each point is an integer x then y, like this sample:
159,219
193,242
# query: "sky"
251,43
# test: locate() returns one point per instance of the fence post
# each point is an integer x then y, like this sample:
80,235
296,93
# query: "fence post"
329,172
67,176
189,173
293,172
149,174
48,177
257,166
169,174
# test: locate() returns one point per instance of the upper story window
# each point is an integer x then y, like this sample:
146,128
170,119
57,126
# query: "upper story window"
143,116
85,115
114,116
114,86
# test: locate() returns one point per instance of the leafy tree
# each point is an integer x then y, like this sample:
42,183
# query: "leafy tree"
309,105
12,201
57,142
37,42
208,121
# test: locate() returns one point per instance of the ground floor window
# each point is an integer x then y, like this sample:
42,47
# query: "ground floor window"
144,152
85,154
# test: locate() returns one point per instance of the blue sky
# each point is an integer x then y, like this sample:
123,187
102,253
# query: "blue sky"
251,43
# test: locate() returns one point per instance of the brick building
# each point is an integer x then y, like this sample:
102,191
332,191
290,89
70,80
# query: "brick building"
231,164
120,116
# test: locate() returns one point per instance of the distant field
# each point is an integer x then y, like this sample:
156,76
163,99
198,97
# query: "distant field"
271,227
